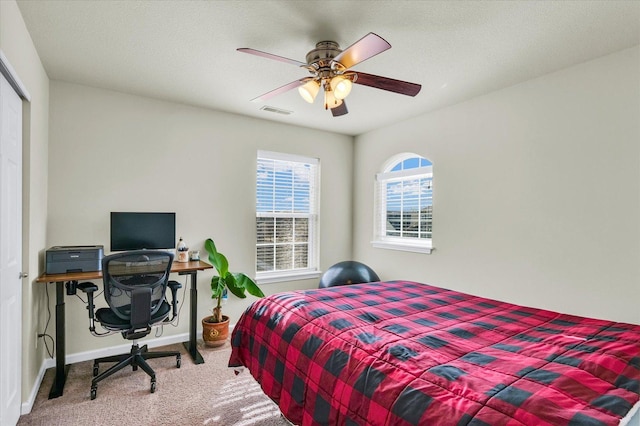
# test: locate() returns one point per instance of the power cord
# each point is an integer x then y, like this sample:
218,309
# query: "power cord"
184,293
46,345
44,334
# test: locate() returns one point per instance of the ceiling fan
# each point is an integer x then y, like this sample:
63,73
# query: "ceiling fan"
330,69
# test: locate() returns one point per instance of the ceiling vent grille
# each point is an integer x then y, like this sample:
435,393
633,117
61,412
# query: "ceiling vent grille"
276,110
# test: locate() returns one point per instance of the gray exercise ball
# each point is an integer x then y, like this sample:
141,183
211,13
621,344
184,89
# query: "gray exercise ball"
347,272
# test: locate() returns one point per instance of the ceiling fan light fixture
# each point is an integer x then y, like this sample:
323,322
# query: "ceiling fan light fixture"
341,86
309,90
331,70
330,101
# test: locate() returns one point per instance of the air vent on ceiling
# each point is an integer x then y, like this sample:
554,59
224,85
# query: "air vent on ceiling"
276,110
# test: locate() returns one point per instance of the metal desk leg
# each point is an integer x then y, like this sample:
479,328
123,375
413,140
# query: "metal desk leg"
191,346
61,370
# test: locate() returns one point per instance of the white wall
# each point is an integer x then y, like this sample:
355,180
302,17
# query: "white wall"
115,152
16,44
536,192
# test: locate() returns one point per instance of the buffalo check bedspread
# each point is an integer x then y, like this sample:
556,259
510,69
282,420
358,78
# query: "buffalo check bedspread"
406,353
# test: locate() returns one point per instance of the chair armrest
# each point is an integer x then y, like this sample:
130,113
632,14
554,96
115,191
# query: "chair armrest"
89,288
174,286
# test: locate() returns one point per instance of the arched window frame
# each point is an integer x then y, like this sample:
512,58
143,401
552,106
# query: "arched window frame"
394,172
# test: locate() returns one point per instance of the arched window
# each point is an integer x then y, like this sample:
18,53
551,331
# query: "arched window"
404,204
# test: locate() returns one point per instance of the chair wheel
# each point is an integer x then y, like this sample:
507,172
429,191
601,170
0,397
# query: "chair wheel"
153,387
178,361
135,368
94,392
95,370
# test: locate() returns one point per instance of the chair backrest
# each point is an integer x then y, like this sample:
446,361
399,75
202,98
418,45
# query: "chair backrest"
127,273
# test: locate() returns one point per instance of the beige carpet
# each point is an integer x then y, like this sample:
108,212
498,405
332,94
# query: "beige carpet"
205,394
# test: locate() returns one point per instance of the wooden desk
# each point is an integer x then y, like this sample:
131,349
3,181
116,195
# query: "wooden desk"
181,268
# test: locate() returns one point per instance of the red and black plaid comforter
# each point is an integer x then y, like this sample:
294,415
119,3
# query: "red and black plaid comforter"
404,353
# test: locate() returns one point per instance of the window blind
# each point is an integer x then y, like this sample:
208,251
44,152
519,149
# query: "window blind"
286,213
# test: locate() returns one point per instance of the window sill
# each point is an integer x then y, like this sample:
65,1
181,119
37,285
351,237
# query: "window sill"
402,246
276,277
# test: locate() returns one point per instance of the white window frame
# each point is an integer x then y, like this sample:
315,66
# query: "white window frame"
380,237
312,270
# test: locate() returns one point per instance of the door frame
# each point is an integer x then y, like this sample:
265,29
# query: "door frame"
12,77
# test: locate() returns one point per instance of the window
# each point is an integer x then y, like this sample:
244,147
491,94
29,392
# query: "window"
287,189
404,204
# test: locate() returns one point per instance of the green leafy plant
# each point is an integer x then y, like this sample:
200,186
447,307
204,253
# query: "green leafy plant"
237,283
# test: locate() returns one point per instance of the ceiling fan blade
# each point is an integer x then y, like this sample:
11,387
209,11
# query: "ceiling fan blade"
389,84
340,109
281,89
271,56
363,49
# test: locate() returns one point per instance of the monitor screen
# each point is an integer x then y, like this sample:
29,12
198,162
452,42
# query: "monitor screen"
138,231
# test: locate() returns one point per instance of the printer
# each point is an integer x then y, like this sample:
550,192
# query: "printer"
64,259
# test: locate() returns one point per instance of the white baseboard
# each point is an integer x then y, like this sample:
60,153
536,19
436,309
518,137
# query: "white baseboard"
98,353
28,404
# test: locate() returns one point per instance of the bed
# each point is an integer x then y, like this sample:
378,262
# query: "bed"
406,353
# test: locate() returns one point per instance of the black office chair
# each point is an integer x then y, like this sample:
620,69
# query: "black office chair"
135,283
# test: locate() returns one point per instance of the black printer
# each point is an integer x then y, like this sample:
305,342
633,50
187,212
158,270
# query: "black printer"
64,259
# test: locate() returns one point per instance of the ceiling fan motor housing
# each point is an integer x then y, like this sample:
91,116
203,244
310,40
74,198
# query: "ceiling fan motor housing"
323,54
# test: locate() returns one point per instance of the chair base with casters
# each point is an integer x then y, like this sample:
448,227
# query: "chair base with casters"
145,306
136,358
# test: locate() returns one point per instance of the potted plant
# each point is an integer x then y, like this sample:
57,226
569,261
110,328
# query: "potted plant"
215,328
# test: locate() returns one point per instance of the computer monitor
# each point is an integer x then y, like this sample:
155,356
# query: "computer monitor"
138,231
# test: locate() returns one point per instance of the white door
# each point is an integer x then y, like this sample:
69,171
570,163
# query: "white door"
10,253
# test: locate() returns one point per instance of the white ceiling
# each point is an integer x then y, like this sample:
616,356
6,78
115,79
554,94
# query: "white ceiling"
185,51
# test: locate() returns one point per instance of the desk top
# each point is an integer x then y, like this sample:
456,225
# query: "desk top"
178,267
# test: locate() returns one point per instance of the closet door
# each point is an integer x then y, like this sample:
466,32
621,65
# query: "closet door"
10,253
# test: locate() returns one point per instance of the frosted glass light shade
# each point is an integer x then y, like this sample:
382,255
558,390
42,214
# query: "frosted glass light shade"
309,90
341,86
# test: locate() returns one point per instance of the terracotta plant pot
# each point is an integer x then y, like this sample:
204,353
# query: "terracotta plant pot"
215,334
